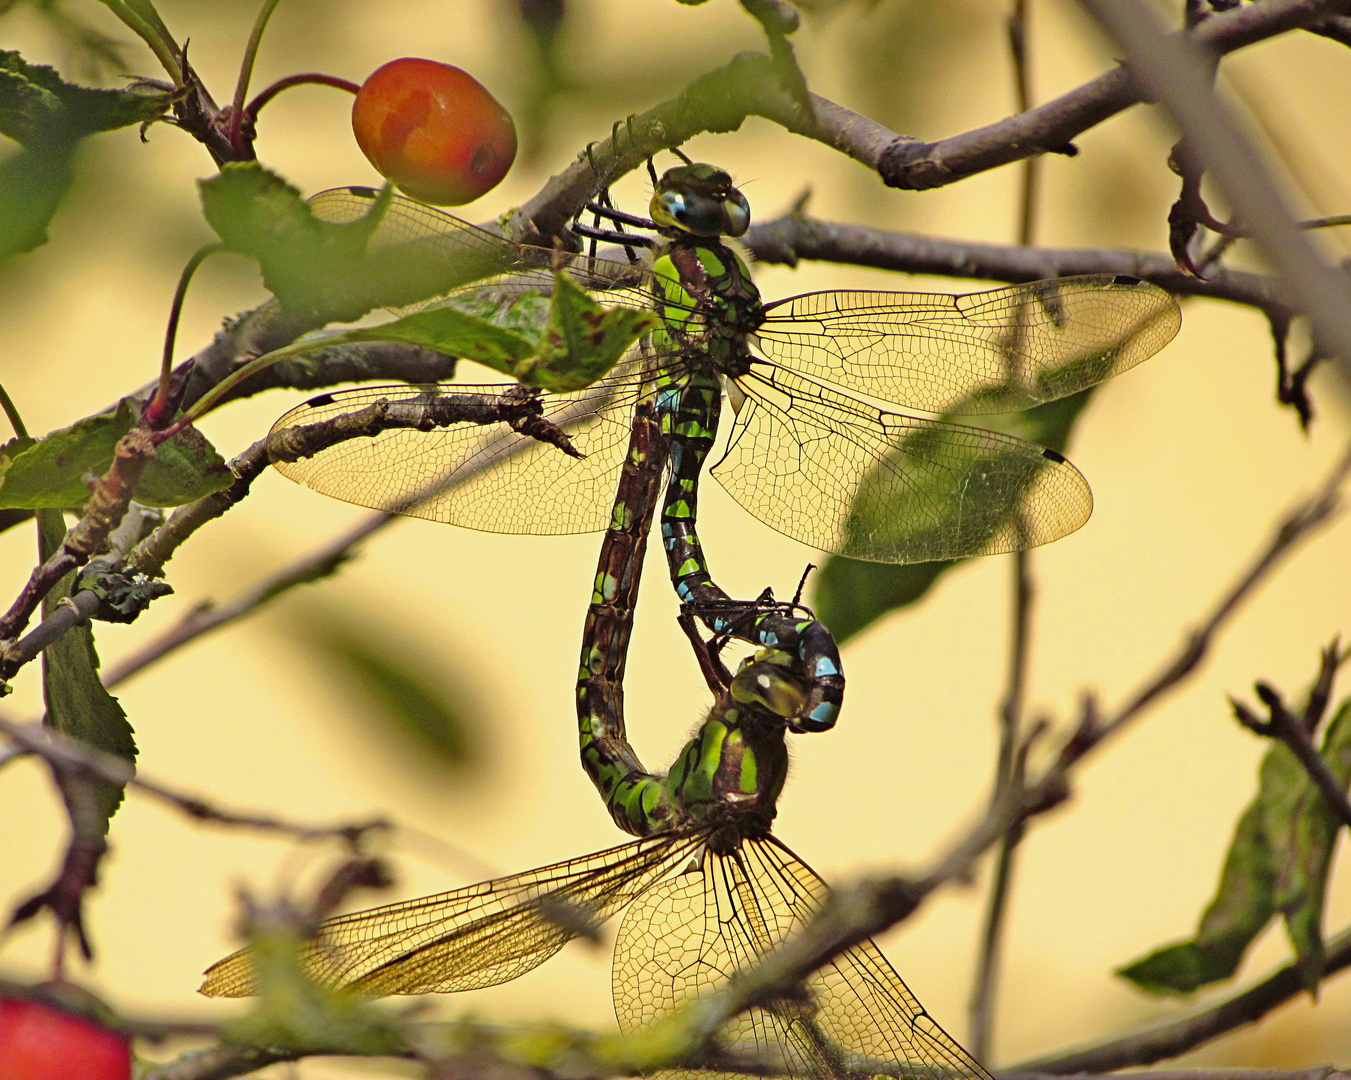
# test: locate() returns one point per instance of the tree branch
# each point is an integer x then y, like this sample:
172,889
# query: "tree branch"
1173,68
794,236
1050,128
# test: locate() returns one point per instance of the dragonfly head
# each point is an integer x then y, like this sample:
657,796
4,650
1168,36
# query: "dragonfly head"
765,681
700,200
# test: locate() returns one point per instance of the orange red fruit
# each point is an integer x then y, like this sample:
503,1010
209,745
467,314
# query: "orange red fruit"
39,1042
433,130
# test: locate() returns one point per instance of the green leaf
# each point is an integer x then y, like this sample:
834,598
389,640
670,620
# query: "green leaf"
1278,862
583,340
77,704
850,595
1241,908
418,701
323,268
456,333
56,471
39,109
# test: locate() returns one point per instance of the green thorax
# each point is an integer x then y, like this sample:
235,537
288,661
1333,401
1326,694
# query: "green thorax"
708,303
729,775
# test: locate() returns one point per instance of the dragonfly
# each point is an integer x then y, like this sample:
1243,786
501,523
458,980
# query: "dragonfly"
706,889
812,449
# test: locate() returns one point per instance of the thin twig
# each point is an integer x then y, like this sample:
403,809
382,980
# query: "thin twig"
986,989
1297,731
67,753
206,616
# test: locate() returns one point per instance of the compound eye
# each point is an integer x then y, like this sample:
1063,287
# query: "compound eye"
737,214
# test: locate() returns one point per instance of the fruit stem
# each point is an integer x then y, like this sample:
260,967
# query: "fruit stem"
157,404
297,80
246,65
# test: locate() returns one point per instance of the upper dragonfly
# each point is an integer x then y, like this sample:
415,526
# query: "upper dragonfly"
807,452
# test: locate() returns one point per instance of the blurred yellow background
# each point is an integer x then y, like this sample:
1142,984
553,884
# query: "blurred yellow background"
1189,458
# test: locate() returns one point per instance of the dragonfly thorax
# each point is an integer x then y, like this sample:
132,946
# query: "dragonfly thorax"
725,305
731,772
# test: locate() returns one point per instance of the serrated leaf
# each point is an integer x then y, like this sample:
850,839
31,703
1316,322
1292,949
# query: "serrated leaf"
850,595
583,340
1278,862
40,109
56,471
416,701
562,342
76,702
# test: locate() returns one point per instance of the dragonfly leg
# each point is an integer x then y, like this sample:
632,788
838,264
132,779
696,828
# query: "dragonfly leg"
707,652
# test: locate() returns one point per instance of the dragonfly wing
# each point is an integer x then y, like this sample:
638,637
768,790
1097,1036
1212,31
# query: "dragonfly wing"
686,936
428,252
845,477
477,936
482,477
985,352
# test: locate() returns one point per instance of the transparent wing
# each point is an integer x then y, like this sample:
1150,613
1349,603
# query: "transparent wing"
984,352
426,244
685,937
488,478
845,477
472,937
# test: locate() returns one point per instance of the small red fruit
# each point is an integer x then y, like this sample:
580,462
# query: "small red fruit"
38,1042
433,130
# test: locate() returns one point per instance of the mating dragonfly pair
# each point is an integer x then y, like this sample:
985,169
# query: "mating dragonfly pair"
708,888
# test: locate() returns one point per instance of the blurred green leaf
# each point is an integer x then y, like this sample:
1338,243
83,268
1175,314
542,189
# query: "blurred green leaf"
308,264
561,342
55,471
323,268
1278,862
850,595
77,704
33,182
420,702
48,117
